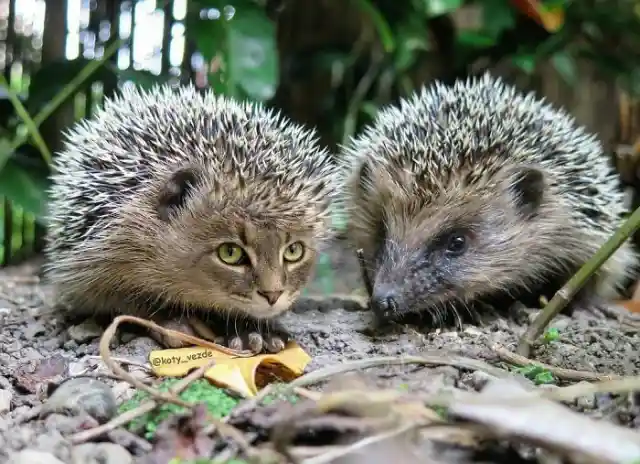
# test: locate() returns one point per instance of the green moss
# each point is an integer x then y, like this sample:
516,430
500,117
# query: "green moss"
551,335
537,373
218,402
279,393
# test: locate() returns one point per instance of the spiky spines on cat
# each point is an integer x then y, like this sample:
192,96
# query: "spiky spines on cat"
147,191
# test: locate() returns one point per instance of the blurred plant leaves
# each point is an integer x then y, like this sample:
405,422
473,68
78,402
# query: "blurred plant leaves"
526,62
497,15
239,47
52,78
475,39
411,40
382,26
565,65
25,188
440,7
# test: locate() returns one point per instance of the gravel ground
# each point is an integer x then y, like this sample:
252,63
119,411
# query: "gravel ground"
37,350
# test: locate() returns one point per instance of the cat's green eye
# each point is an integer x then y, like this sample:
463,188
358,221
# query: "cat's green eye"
231,254
294,252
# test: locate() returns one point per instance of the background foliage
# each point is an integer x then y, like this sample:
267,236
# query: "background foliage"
327,63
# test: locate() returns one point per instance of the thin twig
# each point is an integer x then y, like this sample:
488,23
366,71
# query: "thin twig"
570,393
26,119
145,407
103,375
105,353
63,95
250,403
561,373
439,359
130,362
571,288
358,96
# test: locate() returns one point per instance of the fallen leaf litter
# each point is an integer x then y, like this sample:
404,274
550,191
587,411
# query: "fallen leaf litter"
352,418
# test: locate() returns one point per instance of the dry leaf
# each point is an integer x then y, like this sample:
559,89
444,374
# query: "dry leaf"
548,424
242,375
630,305
551,18
182,437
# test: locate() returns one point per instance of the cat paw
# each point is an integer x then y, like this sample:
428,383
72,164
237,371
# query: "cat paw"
239,335
257,337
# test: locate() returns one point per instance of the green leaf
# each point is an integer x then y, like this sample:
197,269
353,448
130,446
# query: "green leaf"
525,62
497,15
381,24
27,189
370,109
551,335
6,150
544,378
441,7
475,39
411,41
566,66
243,44
51,78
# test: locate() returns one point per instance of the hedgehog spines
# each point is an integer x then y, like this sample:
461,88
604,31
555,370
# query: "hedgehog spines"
450,152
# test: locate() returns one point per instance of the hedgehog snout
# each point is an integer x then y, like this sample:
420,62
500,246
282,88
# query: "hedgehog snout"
386,301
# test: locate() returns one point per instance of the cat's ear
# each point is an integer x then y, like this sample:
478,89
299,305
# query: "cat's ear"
175,191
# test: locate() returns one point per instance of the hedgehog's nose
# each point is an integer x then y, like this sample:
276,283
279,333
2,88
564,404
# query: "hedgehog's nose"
271,297
384,303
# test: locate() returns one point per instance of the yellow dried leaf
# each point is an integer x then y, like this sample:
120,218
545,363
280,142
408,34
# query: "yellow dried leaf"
552,19
242,375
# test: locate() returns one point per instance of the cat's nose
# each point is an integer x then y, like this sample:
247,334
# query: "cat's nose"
271,297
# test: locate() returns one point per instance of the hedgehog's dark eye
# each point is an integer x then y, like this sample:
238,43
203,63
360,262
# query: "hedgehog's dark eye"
457,244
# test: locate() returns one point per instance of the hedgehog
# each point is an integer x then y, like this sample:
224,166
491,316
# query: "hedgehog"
191,209
478,195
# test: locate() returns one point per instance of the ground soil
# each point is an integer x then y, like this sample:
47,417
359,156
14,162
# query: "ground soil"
33,339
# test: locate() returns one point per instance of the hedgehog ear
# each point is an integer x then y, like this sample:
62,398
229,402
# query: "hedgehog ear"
175,191
527,185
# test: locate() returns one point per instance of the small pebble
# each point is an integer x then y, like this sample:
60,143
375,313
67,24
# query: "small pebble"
34,329
70,345
28,456
533,315
604,401
83,394
100,453
5,401
85,332
67,425
562,323
30,353
480,379
52,344
586,402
